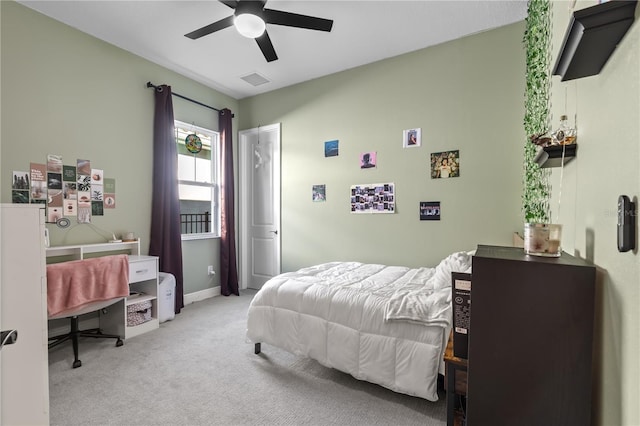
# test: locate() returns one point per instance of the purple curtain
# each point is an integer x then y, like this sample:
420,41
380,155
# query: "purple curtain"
166,240
228,268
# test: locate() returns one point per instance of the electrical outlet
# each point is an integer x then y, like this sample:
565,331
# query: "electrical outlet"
210,270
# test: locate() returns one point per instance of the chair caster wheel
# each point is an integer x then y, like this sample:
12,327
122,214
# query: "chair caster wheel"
77,363
119,342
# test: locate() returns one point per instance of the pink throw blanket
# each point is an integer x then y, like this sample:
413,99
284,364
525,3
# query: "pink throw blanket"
72,285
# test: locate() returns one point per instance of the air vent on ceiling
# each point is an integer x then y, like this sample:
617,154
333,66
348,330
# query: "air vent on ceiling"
255,79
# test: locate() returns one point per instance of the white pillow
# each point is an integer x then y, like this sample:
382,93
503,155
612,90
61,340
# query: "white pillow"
455,262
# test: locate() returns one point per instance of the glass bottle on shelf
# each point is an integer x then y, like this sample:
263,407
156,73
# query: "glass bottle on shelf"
565,135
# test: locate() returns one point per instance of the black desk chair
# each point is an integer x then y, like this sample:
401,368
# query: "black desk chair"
82,286
76,333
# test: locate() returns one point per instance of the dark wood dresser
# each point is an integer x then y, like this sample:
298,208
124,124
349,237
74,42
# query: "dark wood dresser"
530,339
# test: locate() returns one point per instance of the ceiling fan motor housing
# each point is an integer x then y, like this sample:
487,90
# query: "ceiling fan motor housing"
256,28
251,7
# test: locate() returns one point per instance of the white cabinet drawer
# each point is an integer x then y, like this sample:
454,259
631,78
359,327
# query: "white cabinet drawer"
142,270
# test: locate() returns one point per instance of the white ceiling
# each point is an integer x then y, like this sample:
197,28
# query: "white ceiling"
363,32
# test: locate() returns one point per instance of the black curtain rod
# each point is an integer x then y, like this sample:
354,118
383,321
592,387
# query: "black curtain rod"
149,84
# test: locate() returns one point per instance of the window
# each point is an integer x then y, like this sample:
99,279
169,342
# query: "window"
198,183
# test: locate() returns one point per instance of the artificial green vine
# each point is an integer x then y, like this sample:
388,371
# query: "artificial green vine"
536,191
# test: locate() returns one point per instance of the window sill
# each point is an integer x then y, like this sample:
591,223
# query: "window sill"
203,236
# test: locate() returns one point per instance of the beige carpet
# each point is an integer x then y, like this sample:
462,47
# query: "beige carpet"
198,369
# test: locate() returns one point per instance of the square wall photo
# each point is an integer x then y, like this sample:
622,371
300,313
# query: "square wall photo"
331,148
445,164
319,193
368,160
412,138
429,210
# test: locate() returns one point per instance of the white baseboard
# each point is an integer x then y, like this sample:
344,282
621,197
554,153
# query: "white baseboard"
201,295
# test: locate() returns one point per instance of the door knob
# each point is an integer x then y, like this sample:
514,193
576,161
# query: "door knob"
8,337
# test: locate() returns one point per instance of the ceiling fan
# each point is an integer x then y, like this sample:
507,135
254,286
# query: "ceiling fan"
250,19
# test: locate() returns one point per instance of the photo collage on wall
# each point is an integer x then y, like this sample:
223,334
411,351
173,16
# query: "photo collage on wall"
67,191
373,198
380,198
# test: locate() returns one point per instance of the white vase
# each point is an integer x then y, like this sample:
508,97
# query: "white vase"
543,239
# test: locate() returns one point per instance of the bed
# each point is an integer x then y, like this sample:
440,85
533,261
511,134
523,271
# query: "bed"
384,324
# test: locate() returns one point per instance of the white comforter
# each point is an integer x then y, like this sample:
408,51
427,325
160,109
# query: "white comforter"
384,324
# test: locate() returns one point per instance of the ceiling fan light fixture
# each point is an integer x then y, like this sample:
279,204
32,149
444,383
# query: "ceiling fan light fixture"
249,25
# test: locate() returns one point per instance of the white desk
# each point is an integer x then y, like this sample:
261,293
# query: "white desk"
143,279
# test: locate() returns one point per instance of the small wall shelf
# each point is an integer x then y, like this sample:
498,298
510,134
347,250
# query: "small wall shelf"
591,38
551,156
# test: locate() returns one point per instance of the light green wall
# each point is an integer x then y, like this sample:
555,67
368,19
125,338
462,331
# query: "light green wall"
64,92
465,95
607,107
67,93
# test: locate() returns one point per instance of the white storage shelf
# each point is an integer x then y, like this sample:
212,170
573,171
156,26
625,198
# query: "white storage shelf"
143,284
79,251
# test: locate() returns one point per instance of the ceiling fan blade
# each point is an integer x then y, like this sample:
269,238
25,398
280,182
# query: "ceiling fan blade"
211,28
289,19
231,3
264,42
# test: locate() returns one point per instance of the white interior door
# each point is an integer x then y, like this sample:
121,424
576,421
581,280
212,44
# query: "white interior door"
259,150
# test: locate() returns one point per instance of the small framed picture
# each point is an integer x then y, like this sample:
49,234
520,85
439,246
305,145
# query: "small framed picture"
368,160
331,148
319,193
429,210
411,138
445,164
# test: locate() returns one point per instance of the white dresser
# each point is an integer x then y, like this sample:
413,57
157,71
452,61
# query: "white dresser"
25,364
